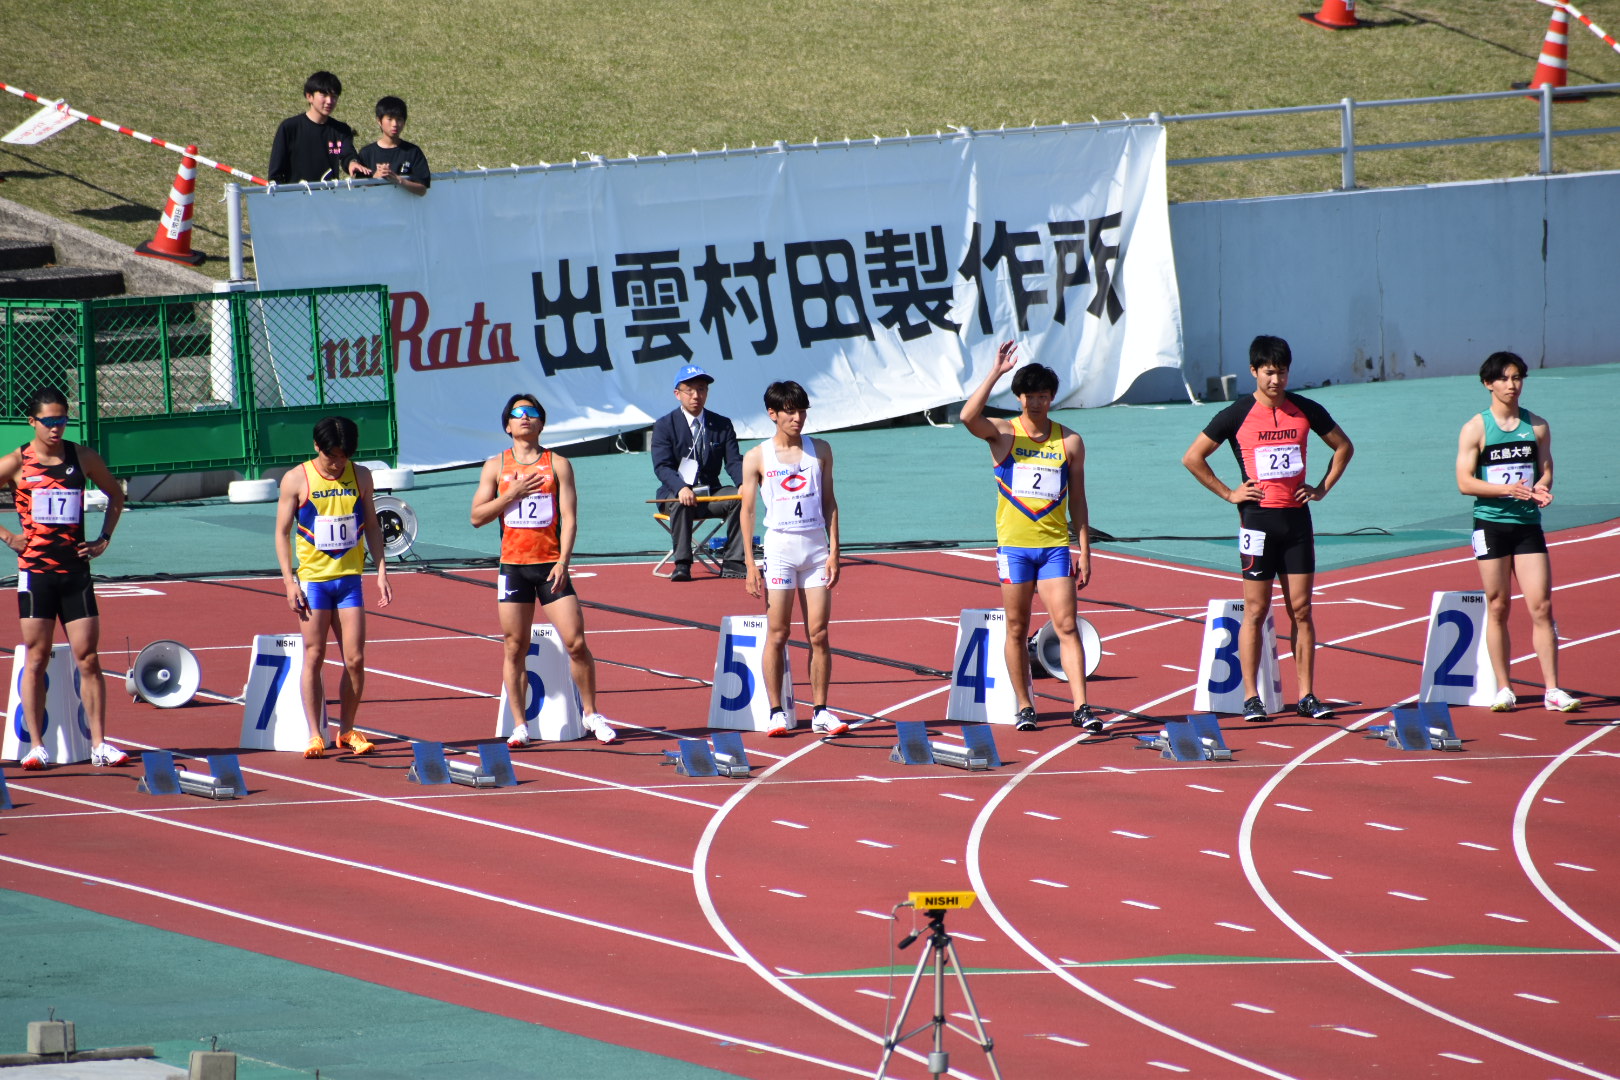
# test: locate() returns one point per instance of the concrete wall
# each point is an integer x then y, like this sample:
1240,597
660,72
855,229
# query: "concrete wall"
1400,283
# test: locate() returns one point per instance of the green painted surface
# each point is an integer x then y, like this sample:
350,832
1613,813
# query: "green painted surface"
1400,482
123,984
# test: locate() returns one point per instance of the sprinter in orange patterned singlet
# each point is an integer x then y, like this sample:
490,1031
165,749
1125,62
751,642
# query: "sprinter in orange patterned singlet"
53,569
530,491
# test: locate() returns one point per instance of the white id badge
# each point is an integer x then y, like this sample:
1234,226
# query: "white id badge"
531,512
1514,472
1279,462
1480,547
1251,542
58,506
1036,481
688,471
336,532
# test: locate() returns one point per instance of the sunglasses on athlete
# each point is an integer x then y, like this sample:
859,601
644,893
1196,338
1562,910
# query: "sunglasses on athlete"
524,412
53,421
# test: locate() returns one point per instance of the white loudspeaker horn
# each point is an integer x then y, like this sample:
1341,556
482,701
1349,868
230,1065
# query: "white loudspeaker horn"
165,674
1046,652
397,521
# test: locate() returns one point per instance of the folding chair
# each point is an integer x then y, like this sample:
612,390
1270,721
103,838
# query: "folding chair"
702,552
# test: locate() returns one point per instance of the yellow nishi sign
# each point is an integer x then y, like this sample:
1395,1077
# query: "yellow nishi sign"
943,901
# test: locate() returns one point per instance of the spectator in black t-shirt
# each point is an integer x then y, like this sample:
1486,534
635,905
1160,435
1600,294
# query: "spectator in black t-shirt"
393,159
313,146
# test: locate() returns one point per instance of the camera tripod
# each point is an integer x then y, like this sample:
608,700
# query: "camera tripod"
938,953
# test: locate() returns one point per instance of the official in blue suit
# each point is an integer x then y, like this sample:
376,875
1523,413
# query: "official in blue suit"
689,447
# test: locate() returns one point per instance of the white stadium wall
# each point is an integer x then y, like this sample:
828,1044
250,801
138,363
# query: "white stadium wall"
1400,283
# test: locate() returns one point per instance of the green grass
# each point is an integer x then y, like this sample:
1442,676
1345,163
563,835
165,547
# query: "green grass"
493,83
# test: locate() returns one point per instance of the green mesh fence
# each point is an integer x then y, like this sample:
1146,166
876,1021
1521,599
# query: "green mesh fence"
211,381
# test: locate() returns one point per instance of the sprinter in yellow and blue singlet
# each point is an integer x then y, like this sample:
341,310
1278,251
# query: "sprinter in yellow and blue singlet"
326,507
1040,470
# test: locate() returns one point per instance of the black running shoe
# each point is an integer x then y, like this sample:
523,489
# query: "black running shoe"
1086,720
1309,706
1026,720
1254,711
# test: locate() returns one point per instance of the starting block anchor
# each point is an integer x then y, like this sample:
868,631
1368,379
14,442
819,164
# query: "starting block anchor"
915,748
1426,727
161,777
432,767
1197,738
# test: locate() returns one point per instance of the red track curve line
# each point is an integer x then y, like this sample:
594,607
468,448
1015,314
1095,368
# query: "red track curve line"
422,961
400,875
1521,845
976,877
1246,855
700,880
408,804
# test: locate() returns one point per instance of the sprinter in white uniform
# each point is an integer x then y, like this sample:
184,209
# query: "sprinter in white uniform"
794,474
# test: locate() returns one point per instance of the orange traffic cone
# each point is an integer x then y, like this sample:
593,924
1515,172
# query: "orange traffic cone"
1335,15
1552,66
173,238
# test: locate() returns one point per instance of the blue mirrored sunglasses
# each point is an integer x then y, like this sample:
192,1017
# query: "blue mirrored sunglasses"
520,412
54,421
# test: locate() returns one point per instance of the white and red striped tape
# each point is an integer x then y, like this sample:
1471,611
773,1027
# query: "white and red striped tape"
1590,25
132,133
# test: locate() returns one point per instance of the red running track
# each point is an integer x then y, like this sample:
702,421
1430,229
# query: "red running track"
1322,906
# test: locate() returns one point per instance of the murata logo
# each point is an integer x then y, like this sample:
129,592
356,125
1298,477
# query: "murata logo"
796,481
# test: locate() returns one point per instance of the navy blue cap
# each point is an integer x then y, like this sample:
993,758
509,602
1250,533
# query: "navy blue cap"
692,373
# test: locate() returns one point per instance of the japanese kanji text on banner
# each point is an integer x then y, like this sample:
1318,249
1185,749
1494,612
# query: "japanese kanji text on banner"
881,275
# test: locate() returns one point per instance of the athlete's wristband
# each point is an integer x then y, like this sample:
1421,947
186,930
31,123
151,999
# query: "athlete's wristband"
104,538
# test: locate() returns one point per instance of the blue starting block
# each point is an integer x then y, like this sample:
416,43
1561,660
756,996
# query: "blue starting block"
1425,727
693,758
5,795
430,766
730,758
162,777
1197,738
914,747
726,757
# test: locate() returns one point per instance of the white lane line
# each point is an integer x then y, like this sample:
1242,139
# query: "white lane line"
1505,918
1452,779
1217,854
1156,984
1521,842
1355,1031
1237,926
1043,817
403,804
953,795
786,892
1433,974
1386,828
1253,1008
1576,866
875,843
355,864
987,901
1131,835
1291,806
1048,884
789,824
328,937
1477,846
1314,874
700,882
1064,1041
1251,871
1141,904
1407,895
1464,1058
1206,787
1277,745
1536,998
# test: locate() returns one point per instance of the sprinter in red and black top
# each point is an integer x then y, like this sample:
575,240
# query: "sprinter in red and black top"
1268,432
53,567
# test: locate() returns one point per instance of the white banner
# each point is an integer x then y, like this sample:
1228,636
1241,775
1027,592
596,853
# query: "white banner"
880,275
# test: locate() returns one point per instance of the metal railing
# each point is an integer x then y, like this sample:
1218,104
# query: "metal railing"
1348,147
